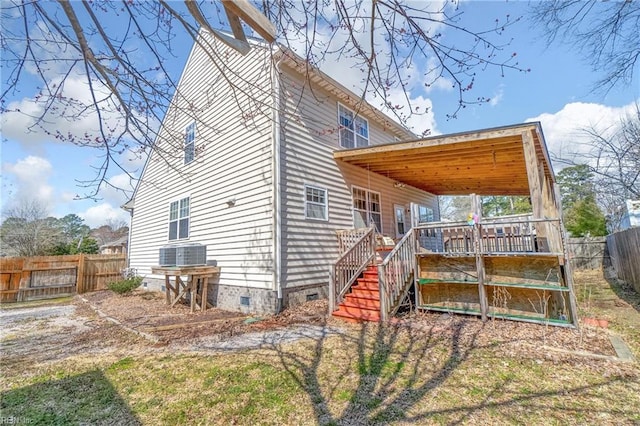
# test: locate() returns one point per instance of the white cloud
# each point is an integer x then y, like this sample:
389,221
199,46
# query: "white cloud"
31,175
333,49
563,129
70,117
29,180
99,215
422,119
497,96
117,190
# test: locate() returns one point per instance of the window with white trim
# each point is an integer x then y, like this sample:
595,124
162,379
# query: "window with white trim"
367,209
354,130
400,220
190,143
316,205
425,214
179,219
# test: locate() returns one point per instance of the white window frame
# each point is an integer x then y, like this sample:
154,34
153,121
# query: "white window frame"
190,142
432,213
180,216
368,212
397,207
354,127
307,202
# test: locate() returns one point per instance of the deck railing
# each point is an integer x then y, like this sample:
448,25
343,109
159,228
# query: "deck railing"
495,236
350,265
348,237
395,274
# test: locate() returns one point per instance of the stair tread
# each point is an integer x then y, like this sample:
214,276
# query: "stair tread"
366,286
365,292
371,305
362,296
356,316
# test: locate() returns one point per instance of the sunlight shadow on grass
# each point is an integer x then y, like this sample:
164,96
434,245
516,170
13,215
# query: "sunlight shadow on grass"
87,398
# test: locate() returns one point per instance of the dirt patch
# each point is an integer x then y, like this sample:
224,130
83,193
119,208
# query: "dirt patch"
148,312
50,333
513,336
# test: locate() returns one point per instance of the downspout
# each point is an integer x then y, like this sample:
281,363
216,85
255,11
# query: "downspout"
128,208
277,216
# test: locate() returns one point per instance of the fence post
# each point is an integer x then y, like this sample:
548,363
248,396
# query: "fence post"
80,279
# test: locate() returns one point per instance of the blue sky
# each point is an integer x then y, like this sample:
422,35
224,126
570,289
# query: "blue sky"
557,91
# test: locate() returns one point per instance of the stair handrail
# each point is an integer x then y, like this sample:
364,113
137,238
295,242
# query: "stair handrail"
348,267
395,273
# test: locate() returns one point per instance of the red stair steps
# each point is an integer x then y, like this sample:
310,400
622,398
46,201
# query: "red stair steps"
363,302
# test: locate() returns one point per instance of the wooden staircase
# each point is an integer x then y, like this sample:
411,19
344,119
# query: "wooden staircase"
363,302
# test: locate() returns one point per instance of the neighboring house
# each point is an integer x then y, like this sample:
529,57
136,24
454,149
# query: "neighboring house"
118,246
630,215
256,180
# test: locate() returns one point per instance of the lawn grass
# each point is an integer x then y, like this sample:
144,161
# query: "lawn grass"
368,374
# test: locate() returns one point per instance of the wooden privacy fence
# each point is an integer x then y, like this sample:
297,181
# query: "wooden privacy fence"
624,250
46,277
588,252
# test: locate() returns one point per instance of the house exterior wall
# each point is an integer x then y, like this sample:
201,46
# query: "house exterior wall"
231,184
233,162
309,136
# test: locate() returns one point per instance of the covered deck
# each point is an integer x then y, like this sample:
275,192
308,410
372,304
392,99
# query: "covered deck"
513,267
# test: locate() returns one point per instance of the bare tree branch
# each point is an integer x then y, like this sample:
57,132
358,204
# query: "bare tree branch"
606,33
61,45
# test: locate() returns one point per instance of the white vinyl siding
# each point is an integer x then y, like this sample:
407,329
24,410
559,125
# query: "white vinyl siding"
316,203
309,138
190,143
354,130
239,237
179,219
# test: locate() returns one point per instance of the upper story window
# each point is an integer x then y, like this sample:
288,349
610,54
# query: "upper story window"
354,130
190,143
316,205
179,219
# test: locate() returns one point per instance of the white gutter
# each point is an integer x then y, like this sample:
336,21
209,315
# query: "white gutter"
128,206
277,215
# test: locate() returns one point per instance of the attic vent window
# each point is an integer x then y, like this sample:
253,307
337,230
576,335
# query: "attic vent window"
190,143
245,301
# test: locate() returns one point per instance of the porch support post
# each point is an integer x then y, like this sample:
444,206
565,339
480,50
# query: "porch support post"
476,203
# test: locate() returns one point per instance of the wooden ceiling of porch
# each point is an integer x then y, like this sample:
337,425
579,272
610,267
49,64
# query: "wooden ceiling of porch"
484,162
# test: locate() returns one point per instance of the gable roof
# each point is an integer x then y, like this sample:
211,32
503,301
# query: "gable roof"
363,108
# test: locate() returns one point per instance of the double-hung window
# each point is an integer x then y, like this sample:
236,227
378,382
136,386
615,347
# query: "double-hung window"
179,219
354,130
190,143
367,208
315,203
